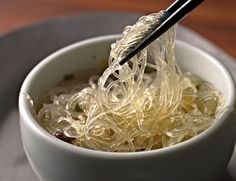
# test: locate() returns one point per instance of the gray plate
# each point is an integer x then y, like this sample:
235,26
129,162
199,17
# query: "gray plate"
22,49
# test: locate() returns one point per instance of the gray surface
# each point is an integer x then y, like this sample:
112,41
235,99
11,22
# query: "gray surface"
22,49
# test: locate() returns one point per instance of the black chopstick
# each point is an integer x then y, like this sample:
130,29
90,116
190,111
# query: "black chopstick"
175,6
174,13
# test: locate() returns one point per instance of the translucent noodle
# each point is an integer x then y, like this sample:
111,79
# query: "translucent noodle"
145,104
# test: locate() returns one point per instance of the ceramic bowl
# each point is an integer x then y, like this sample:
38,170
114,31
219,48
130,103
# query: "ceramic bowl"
202,158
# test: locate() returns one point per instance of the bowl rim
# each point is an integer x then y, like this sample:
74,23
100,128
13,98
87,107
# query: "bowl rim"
28,118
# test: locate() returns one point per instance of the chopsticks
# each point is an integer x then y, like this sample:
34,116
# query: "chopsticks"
173,14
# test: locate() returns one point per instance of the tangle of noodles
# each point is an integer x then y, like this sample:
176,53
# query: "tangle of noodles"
145,104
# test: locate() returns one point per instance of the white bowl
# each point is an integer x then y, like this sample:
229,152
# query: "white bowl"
201,158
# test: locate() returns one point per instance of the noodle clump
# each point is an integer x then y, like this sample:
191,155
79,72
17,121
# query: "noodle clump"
147,103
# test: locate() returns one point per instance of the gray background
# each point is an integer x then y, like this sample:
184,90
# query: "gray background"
22,49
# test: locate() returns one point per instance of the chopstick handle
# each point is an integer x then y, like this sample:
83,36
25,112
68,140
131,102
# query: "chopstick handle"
188,6
169,19
176,5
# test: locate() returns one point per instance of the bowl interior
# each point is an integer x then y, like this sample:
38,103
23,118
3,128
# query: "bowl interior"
86,57
207,67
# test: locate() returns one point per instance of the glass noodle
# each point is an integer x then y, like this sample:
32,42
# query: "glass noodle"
148,103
